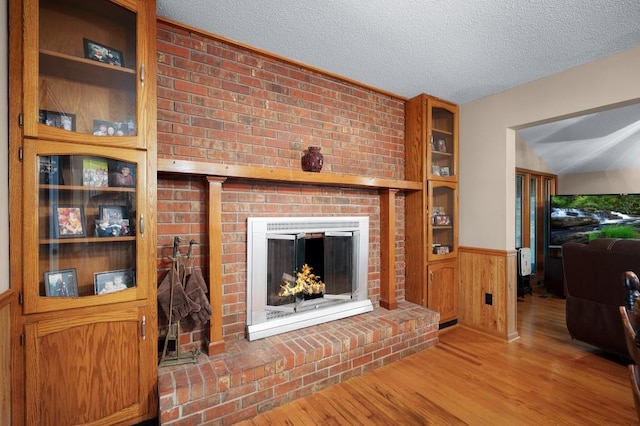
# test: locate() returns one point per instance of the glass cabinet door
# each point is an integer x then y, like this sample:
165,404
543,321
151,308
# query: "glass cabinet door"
83,57
85,221
442,225
441,151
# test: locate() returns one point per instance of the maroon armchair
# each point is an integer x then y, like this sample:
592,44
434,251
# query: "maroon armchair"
595,293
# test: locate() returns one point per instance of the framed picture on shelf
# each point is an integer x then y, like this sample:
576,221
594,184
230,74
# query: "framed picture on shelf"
438,210
101,53
435,170
112,228
68,221
444,171
61,120
442,220
112,281
109,128
442,250
49,167
95,172
122,174
442,145
63,283
114,213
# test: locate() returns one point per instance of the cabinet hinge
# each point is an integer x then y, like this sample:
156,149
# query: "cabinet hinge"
20,298
143,327
22,340
20,154
20,120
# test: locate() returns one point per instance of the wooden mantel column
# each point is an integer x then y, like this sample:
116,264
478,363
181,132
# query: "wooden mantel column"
388,248
216,341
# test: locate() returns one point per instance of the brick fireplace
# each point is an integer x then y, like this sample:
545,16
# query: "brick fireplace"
240,110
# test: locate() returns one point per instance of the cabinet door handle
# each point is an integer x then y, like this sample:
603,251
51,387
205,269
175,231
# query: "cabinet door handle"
142,225
431,276
142,74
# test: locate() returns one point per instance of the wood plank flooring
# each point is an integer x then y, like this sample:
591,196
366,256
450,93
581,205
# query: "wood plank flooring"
543,378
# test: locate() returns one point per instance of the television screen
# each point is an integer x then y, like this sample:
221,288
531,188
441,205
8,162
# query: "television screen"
581,218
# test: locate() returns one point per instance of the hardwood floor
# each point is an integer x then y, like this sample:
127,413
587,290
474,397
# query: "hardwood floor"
543,378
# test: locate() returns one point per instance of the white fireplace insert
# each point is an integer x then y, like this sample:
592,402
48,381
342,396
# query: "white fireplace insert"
337,248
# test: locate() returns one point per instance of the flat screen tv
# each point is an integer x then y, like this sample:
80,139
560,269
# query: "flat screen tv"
581,218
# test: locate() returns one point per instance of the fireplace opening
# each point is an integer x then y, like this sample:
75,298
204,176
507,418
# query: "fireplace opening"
277,249
329,254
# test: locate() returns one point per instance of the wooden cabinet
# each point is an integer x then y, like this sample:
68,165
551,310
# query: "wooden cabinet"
83,173
431,143
442,289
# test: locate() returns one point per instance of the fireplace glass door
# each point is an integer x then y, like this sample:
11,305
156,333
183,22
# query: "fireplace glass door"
330,254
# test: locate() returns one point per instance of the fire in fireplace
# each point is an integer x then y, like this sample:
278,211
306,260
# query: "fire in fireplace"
278,250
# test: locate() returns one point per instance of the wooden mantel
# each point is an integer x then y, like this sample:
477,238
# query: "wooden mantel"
216,174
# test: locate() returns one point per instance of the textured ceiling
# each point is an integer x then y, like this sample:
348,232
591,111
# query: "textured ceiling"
458,50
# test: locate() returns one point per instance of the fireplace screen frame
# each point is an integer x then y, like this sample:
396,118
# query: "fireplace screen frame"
264,319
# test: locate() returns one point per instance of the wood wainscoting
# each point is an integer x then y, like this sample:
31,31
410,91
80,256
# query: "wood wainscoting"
6,299
488,272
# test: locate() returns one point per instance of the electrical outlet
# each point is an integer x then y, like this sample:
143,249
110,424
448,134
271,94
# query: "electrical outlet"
488,299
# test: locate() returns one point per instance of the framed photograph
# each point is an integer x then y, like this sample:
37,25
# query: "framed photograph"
49,167
109,128
442,250
101,53
95,172
442,220
112,281
61,120
442,145
107,228
114,213
438,210
62,283
68,221
122,174
435,170
444,171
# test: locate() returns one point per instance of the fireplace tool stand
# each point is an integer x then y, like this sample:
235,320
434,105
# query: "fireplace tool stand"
175,309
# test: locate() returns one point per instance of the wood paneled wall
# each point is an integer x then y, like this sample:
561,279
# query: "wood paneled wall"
493,272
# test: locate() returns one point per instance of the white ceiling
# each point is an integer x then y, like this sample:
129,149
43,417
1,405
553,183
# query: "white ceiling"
459,50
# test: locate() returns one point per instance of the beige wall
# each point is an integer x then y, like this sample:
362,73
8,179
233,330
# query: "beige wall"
526,158
487,139
624,181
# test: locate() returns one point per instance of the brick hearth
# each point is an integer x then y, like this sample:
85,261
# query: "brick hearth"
253,377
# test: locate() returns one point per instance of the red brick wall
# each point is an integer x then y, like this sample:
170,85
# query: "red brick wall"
226,104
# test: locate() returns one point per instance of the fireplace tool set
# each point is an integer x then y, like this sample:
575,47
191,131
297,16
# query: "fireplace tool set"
182,294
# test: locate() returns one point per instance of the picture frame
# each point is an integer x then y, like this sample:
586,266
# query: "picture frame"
69,221
435,170
442,145
110,128
107,228
63,283
61,120
442,250
442,220
49,170
113,281
444,171
101,53
95,172
113,213
122,174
